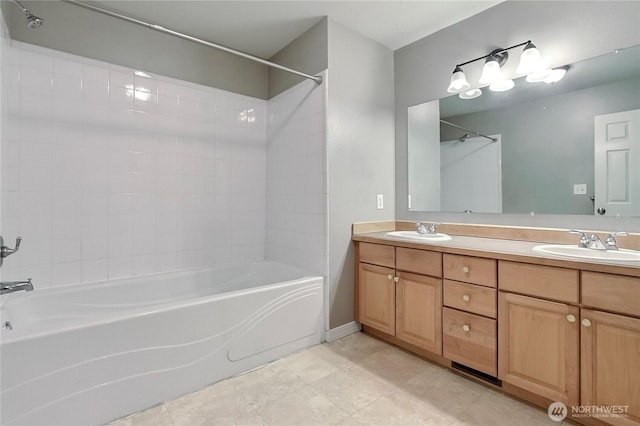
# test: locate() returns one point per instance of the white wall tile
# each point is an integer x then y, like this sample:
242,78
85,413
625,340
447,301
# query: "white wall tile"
173,178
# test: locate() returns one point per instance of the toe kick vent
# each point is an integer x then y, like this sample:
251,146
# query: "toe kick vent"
475,373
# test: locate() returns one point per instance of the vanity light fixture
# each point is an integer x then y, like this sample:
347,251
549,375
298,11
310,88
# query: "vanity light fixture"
530,64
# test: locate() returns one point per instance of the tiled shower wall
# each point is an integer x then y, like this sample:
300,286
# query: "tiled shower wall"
108,172
297,229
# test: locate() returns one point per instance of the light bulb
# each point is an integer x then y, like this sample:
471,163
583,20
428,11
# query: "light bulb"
556,75
458,81
470,94
491,71
530,60
538,76
502,85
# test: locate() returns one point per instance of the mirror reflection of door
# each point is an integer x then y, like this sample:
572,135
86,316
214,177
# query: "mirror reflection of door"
617,164
471,175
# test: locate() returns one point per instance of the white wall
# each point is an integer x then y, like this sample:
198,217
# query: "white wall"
360,149
296,177
106,174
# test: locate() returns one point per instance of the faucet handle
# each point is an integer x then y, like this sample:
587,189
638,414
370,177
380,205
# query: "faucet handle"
610,242
584,238
6,251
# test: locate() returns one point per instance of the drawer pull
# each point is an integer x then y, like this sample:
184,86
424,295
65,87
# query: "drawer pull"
586,322
466,298
465,269
390,276
396,279
571,318
466,328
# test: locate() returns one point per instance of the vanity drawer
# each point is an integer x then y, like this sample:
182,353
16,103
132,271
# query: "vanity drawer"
471,298
541,281
419,261
469,269
470,340
615,293
377,254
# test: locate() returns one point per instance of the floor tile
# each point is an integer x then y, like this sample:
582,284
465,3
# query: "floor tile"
496,409
267,384
305,407
219,404
352,388
315,363
394,365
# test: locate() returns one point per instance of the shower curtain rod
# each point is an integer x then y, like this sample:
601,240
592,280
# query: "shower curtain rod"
316,78
470,131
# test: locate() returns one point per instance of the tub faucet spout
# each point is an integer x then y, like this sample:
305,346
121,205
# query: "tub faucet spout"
13,286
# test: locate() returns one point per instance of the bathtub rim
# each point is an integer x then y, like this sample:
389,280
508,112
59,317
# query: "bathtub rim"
10,336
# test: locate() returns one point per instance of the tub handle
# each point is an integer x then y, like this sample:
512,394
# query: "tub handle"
7,251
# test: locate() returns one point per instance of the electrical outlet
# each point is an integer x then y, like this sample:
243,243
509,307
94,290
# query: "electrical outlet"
380,202
580,189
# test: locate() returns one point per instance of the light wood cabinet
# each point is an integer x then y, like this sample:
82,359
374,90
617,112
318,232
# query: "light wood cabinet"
548,332
610,364
377,297
470,340
469,269
397,301
418,304
538,346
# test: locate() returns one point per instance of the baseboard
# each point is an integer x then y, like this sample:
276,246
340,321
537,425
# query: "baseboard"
341,331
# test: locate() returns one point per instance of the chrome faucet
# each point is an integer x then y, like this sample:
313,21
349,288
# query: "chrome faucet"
13,286
422,229
593,242
7,251
610,242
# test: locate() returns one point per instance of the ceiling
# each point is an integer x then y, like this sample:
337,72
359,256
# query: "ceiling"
264,27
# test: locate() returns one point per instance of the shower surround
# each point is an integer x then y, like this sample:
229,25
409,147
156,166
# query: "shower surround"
110,172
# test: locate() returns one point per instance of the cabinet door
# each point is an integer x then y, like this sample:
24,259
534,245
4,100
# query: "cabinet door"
377,298
419,311
610,369
538,346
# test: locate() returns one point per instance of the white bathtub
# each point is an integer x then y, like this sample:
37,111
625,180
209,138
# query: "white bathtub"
90,353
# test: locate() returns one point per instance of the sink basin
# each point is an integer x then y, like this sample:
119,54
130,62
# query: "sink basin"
414,235
585,253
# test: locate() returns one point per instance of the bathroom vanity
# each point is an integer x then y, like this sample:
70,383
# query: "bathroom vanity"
542,328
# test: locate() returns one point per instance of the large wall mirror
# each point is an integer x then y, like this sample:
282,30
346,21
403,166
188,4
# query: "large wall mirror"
571,147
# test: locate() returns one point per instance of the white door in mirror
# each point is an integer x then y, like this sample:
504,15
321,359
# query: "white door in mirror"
617,164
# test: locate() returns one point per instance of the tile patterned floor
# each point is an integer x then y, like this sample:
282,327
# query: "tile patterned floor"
356,380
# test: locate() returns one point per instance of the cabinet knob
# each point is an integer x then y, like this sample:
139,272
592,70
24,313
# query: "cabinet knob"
571,318
466,298
390,276
586,322
466,327
396,279
465,269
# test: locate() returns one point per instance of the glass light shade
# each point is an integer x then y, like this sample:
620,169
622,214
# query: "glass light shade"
530,60
491,72
470,94
556,75
502,85
538,76
459,81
